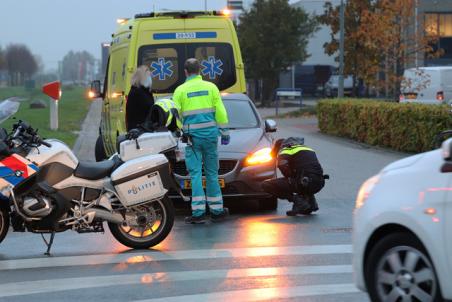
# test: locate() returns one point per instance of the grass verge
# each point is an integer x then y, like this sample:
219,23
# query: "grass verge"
304,112
73,108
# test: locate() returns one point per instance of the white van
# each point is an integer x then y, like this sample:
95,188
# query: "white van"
427,85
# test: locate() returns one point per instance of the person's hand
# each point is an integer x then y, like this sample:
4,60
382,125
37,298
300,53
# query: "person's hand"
225,139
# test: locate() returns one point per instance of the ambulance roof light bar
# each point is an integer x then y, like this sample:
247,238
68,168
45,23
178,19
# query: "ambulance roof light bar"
184,14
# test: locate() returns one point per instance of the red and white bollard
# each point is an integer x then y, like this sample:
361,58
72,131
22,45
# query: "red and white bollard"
53,90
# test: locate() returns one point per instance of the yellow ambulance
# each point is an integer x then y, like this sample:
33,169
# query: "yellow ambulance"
163,41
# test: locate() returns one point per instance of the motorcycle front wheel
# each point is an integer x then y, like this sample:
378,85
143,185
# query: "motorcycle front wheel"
4,223
147,225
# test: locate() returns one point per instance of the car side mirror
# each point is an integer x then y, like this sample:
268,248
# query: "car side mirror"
446,149
95,90
270,126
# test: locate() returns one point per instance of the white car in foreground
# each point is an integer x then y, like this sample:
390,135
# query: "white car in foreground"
402,241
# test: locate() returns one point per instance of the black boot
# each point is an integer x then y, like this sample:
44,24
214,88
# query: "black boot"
300,206
220,217
195,219
313,203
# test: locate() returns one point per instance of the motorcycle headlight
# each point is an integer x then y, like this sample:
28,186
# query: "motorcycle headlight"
259,157
365,191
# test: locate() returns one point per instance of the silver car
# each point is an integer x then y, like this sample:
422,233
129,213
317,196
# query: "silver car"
247,161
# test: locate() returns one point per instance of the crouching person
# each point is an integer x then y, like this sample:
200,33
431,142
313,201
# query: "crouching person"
303,176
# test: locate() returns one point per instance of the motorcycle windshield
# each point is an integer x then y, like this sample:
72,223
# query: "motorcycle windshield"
7,109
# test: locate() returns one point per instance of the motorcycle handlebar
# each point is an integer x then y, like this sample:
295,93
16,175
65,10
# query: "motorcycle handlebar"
42,142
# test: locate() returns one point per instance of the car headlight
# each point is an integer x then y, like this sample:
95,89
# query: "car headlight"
261,156
365,191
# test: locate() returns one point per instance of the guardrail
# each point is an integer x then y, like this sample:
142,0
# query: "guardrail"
284,93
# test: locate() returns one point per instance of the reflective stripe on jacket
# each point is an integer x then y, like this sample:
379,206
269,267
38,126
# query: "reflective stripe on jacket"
201,106
294,149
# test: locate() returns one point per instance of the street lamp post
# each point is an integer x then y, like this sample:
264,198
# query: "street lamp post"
416,30
340,90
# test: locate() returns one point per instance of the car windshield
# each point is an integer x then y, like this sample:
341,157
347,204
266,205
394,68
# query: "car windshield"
241,115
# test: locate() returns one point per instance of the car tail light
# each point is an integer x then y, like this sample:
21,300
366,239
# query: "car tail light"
440,96
261,156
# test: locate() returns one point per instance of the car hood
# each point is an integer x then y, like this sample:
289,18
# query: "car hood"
403,163
242,141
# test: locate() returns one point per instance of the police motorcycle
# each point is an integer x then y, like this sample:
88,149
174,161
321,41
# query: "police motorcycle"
45,189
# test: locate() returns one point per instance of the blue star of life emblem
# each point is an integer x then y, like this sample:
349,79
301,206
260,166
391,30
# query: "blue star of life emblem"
212,67
162,69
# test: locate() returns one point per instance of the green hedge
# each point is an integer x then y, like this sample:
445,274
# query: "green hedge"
402,127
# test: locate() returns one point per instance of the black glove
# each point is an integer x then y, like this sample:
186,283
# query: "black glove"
134,134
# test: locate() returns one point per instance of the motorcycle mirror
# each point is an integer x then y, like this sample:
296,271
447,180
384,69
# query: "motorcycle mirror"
7,109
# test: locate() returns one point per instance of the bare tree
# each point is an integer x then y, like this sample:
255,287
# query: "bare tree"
75,66
2,59
21,63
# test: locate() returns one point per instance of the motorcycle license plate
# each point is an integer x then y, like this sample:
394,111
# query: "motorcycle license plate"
186,183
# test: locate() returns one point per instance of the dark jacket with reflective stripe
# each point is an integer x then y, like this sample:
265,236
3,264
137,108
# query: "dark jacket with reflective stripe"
300,159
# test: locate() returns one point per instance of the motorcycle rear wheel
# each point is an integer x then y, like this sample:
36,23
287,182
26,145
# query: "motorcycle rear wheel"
157,220
4,223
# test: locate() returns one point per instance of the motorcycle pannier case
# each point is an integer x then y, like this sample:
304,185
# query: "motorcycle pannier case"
142,179
146,144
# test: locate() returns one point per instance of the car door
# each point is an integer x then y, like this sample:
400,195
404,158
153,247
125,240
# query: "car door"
118,65
105,118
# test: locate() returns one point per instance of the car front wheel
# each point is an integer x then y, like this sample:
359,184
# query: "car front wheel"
399,269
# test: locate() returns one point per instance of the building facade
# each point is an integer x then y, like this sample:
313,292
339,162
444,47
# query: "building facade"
437,18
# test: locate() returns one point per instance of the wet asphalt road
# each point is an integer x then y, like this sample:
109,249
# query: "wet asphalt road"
252,256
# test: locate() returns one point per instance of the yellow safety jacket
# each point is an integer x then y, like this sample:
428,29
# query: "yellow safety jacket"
171,111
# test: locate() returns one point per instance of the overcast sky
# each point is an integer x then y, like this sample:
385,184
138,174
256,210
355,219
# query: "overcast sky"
51,28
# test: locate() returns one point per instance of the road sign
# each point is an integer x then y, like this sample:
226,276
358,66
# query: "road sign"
52,89
235,5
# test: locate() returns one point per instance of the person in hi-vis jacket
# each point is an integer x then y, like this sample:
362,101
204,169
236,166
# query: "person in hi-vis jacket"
204,120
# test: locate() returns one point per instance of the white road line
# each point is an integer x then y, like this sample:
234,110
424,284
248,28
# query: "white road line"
131,258
56,285
262,294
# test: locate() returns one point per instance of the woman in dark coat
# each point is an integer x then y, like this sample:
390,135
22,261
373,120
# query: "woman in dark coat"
140,98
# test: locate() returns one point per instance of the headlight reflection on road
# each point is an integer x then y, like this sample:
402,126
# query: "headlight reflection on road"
138,259
261,233
156,277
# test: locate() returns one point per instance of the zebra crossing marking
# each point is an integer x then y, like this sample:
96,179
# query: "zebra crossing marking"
260,294
64,284
151,256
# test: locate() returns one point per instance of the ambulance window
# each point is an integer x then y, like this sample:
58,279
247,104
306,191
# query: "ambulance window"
163,61
217,63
